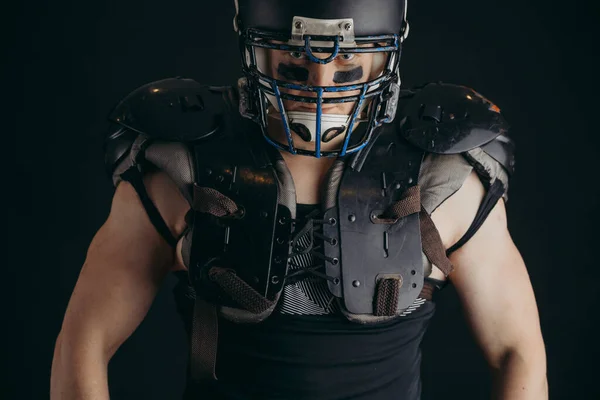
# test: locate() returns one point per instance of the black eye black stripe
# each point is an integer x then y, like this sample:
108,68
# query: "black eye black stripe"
300,74
292,72
348,76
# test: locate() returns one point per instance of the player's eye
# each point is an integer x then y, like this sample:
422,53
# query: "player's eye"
346,56
297,55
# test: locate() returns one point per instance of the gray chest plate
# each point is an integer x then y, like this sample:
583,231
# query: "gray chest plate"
368,251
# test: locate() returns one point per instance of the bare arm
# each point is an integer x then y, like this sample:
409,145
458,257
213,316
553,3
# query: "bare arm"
498,300
124,268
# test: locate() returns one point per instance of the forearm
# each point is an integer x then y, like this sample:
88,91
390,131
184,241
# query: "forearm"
78,374
520,376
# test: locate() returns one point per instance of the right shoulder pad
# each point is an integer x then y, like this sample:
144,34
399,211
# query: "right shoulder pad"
174,109
449,119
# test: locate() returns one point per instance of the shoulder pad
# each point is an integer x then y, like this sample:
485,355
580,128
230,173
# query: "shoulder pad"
502,149
174,109
448,119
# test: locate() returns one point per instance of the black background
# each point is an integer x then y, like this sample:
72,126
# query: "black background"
65,64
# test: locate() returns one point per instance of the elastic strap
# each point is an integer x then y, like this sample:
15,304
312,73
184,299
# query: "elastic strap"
488,203
134,177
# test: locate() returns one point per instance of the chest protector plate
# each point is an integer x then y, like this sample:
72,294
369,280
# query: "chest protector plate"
254,245
370,252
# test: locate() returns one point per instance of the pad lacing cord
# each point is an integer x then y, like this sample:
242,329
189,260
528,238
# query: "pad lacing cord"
297,250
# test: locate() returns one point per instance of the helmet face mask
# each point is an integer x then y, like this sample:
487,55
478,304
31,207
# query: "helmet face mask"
306,85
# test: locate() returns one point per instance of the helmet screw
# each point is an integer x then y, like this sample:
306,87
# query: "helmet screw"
356,283
347,26
298,24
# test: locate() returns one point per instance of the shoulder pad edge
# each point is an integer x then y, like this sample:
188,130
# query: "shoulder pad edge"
449,119
173,109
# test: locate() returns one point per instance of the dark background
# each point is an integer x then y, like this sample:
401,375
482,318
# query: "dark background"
65,65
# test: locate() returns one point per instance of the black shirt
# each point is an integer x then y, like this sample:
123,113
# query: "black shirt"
292,355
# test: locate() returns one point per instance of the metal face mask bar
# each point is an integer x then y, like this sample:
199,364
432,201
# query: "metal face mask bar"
376,97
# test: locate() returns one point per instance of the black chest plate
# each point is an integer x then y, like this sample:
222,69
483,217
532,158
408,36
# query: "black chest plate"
369,251
256,245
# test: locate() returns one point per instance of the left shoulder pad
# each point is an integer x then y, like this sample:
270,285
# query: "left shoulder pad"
173,109
448,119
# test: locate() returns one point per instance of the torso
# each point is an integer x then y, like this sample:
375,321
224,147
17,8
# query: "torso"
332,348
